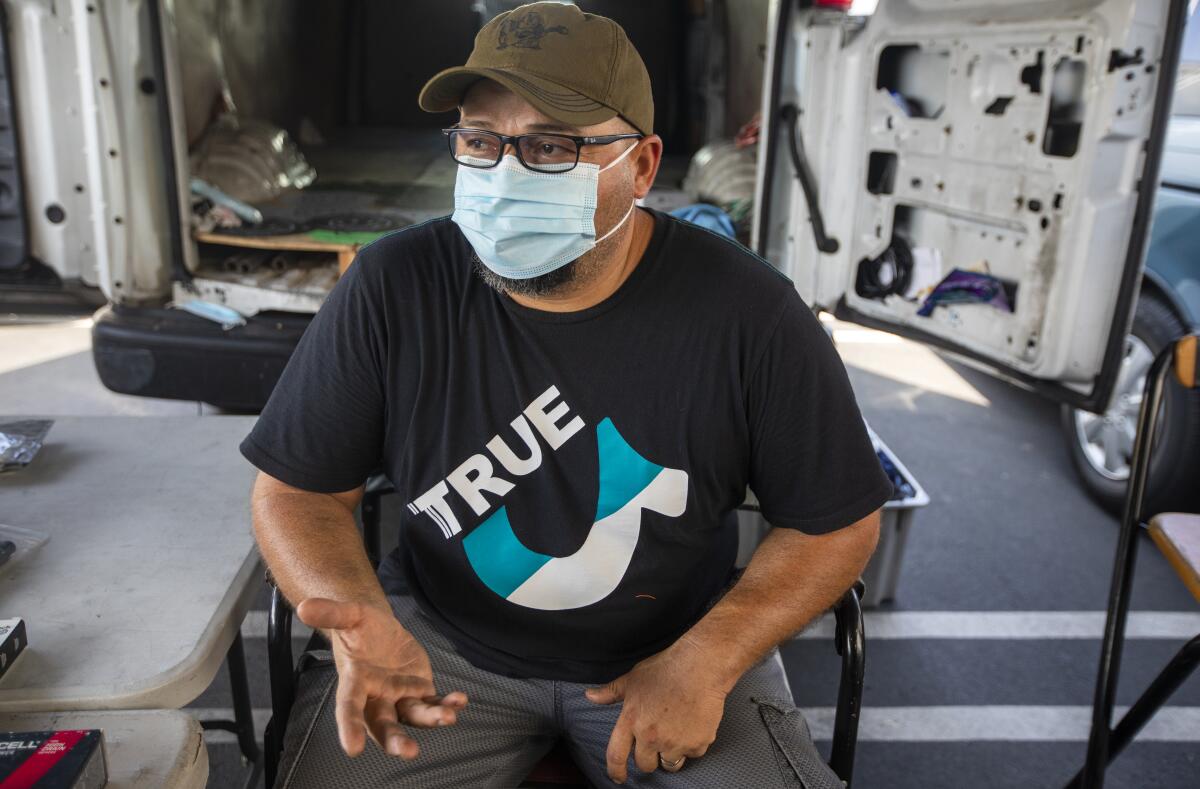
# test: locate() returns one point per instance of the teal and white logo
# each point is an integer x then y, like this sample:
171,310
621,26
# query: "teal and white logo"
628,484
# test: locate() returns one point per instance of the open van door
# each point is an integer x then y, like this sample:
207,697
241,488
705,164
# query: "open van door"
1018,140
88,199
14,238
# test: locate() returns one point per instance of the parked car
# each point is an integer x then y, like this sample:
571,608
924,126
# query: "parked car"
1169,305
1013,139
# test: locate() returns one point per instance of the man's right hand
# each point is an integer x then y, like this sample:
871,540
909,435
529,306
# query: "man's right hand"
384,677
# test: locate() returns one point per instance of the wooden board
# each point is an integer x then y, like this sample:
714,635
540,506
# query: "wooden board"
294,242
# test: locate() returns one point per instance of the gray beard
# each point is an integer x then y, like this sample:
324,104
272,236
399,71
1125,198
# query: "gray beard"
553,283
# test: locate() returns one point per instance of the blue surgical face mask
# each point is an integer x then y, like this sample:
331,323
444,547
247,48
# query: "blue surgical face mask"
523,224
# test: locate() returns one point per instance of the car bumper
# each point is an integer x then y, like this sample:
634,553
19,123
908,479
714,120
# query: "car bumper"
159,352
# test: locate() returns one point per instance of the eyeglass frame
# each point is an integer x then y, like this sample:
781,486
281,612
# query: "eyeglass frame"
514,139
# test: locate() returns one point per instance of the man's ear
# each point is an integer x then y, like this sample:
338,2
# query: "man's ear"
646,161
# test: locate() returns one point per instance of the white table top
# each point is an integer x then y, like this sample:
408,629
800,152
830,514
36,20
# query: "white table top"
150,566
146,749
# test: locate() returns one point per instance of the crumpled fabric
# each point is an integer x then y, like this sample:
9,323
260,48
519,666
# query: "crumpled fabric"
708,216
966,287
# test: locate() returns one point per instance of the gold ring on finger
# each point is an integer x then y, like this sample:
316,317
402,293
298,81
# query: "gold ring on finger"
671,766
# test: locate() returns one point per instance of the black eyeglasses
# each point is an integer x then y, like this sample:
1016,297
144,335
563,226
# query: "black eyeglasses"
542,153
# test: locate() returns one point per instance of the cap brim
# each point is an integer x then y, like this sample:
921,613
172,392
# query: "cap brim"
446,89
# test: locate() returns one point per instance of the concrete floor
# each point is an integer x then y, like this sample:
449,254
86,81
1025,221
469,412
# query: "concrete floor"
979,674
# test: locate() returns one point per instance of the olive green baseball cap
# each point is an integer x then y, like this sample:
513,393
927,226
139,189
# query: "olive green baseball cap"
575,67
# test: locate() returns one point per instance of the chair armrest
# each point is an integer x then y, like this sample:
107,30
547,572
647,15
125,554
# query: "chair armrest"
283,675
850,641
376,487
279,661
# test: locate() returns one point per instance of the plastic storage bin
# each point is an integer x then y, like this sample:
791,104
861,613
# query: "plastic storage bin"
883,571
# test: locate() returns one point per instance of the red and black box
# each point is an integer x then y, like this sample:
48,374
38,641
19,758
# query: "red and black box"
67,759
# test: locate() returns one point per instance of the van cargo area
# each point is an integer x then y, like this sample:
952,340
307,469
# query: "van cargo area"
368,181
298,139
306,112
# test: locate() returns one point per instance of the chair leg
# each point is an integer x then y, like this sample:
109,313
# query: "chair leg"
1155,696
851,645
1092,775
1160,690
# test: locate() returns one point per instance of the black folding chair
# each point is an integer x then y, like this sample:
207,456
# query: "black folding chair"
555,769
1171,532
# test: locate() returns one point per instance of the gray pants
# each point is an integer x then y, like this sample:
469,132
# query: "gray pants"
509,724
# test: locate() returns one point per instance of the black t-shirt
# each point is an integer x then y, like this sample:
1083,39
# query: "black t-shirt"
570,479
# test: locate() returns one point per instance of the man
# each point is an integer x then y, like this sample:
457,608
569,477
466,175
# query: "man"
572,394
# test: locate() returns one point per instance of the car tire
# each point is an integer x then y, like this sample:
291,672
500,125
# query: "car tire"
1175,459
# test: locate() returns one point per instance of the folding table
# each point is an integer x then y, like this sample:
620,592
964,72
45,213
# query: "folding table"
139,594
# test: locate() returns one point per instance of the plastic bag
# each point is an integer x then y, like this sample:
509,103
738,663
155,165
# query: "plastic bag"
250,160
20,442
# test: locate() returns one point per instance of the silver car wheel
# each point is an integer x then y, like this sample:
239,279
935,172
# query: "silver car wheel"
1107,439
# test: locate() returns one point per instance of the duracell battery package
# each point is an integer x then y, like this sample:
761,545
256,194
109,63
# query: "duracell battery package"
67,759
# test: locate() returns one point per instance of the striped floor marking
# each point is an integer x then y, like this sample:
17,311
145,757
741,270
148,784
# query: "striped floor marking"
1001,723
1007,625
1014,625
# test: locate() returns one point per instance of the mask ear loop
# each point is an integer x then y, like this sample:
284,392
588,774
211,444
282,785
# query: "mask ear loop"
618,159
632,205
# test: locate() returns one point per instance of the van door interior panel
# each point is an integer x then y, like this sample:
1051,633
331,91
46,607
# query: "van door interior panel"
1003,142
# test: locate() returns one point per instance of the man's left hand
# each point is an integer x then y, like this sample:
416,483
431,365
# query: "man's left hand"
673,702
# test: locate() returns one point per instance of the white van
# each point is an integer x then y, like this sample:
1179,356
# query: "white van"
1018,138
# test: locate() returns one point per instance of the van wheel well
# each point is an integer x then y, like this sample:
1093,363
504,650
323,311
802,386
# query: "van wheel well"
1152,288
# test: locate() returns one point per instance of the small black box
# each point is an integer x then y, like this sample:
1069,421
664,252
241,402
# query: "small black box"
67,759
12,641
